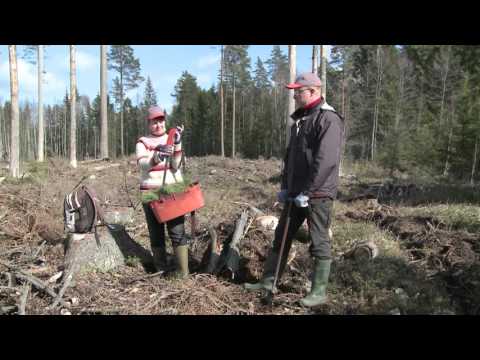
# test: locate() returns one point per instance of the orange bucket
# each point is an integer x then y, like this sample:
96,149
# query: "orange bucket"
171,206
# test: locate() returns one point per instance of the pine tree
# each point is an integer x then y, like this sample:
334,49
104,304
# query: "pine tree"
122,60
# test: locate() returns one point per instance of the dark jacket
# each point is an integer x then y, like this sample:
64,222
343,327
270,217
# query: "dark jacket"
312,161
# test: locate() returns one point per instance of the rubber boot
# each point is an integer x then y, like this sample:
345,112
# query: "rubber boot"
266,283
318,294
159,258
181,253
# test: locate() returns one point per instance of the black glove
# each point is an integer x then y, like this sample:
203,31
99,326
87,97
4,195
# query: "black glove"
164,150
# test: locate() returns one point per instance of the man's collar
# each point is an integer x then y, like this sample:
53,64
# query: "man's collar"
313,104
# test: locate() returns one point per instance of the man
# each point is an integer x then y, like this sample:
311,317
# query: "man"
310,179
159,166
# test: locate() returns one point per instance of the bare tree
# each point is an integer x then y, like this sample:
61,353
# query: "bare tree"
73,102
41,127
222,141
377,100
292,60
315,59
474,164
323,56
15,114
103,103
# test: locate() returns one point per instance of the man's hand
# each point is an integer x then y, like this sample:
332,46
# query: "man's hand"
178,135
282,196
301,201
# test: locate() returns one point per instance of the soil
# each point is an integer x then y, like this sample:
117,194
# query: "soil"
438,273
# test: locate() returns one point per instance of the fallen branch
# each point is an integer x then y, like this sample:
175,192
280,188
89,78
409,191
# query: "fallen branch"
214,251
65,285
39,284
253,209
23,300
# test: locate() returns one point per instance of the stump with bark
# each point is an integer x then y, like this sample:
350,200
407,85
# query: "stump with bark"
103,251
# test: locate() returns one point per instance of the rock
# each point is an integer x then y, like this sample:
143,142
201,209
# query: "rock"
92,177
213,171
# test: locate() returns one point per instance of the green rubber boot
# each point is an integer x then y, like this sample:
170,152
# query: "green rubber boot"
159,258
318,294
266,283
181,253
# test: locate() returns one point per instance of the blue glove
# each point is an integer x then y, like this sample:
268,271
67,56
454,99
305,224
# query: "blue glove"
282,196
301,201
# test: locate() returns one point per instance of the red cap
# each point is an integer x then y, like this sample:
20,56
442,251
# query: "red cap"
305,80
156,112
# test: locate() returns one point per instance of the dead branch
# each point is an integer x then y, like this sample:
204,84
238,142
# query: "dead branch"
23,299
253,209
214,250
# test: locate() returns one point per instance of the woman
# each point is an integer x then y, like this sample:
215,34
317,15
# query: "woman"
154,158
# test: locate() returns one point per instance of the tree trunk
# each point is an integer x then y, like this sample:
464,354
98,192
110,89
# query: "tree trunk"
15,114
292,60
233,119
73,101
222,141
315,59
103,103
446,168
474,165
41,133
121,113
444,85
323,55
377,99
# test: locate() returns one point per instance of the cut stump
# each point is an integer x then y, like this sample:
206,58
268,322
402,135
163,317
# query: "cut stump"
104,252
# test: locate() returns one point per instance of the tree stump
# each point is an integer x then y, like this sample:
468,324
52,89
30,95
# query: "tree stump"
104,252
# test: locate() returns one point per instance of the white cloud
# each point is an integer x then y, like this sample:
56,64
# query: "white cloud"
207,61
86,61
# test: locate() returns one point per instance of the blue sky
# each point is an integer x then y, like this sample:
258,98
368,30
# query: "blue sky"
163,63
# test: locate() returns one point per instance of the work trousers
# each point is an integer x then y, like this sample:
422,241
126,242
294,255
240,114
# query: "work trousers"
318,214
175,228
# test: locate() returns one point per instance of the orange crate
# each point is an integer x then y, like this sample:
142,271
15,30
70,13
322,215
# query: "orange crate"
169,207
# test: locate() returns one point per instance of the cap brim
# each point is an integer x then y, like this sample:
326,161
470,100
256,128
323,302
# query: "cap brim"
293,86
162,117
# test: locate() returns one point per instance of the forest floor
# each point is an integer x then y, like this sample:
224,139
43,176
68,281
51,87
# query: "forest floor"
426,235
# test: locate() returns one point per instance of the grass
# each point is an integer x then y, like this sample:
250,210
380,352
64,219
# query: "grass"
456,216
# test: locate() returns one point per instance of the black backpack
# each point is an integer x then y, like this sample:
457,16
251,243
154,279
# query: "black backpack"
82,211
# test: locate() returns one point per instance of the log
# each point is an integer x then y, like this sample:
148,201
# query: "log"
103,252
230,257
213,250
363,251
